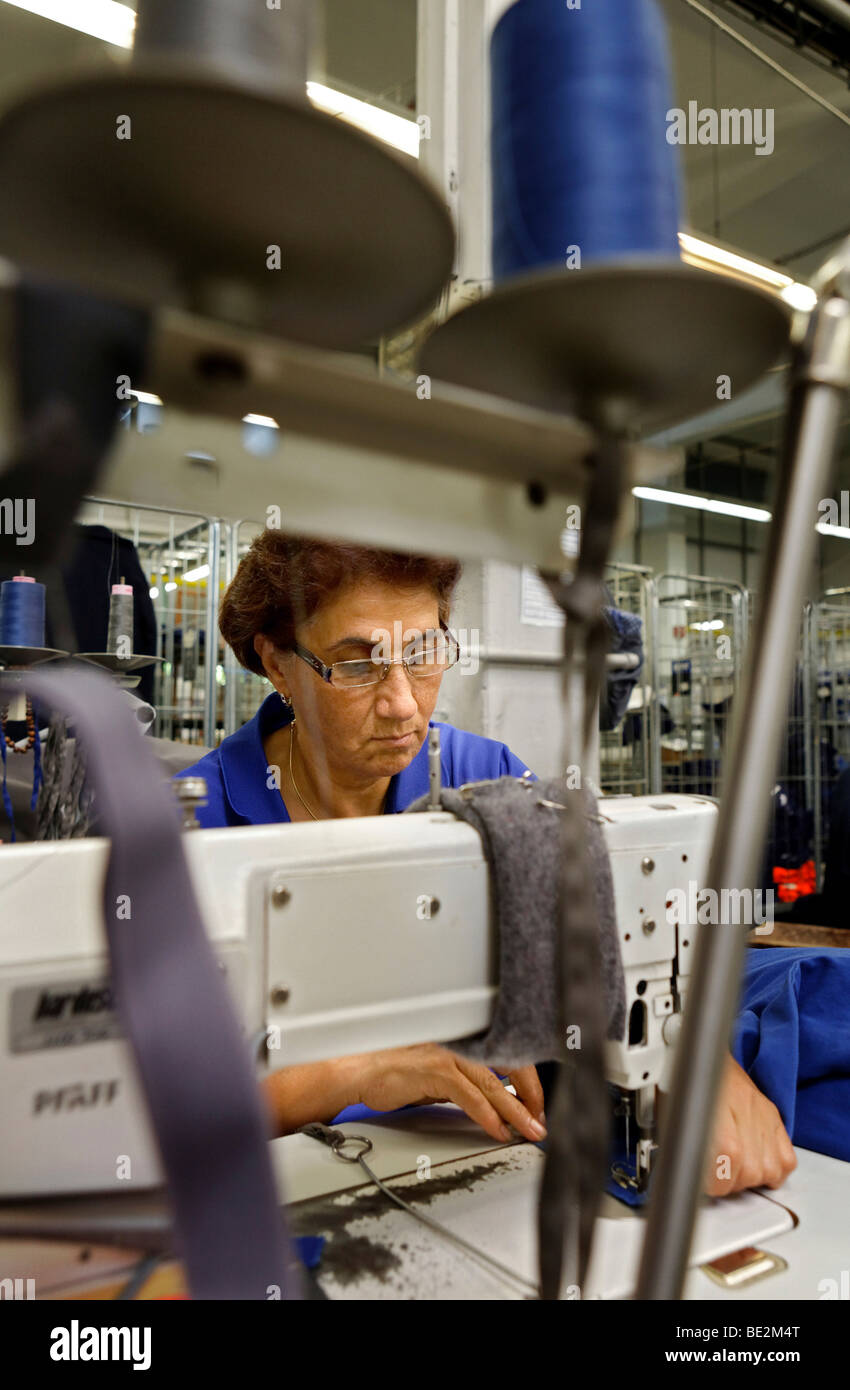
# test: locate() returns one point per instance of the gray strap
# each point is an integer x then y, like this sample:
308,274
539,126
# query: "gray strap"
579,1119
193,1063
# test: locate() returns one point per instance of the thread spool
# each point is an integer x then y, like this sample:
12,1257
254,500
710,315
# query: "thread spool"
249,42
119,640
22,602
579,142
189,661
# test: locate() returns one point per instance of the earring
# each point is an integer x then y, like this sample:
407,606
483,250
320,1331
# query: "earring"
286,701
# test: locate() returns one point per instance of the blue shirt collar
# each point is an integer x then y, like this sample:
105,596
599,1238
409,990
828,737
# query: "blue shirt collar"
244,766
244,769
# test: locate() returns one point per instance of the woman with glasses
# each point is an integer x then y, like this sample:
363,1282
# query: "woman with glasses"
355,643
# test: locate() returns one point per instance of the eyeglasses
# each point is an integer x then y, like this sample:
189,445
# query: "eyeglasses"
424,660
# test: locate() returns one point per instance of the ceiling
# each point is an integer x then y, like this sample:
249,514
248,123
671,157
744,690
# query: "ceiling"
774,206
791,207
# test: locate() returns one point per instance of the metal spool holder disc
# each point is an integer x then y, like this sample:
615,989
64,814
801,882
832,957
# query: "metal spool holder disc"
632,347
225,159
20,657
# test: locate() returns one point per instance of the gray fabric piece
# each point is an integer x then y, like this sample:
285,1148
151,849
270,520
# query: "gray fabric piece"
192,1060
64,798
522,844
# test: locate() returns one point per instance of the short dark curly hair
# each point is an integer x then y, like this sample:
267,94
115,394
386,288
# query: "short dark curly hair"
284,579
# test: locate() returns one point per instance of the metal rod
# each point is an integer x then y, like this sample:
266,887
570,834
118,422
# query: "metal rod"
811,765
614,661
434,770
654,710
211,643
170,611
317,395
819,380
771,62
649,680
231,665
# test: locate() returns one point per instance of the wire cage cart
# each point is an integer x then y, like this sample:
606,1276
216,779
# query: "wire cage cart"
179,552
625,753
828,650
243,691
698,637
185,589
790,855
816,751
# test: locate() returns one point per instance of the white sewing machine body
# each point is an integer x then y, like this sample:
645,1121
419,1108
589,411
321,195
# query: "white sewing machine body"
336,937
659,848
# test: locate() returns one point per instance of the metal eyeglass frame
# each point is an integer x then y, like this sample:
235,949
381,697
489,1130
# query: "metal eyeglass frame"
326,672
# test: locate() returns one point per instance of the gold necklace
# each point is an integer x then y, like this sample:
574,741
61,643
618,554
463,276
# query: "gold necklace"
292,775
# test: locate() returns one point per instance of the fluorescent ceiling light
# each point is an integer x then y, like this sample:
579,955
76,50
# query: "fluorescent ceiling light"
701,504
103,19
713,626
146,398
394,130
170,586
697,252
114,23
260,420
799,296
718,255
736,509
192,575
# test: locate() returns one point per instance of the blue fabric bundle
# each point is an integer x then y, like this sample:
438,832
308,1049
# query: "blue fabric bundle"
793,1039
580,155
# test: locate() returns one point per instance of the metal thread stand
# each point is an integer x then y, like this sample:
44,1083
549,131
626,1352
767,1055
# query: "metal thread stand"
819,380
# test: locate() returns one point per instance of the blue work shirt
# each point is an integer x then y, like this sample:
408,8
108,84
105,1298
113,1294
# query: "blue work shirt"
237,776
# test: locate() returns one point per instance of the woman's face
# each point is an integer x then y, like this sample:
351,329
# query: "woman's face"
367,732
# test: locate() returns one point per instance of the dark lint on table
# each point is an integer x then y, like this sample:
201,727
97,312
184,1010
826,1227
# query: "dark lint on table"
346,1257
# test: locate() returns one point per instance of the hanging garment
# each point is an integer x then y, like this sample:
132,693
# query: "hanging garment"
626,637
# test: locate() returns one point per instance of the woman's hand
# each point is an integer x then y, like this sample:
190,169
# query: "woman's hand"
750,1147
427,1074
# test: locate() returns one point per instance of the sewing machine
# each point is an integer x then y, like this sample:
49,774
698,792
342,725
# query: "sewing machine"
318,964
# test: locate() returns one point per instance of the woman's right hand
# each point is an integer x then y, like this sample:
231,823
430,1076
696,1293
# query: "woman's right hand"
428,1074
